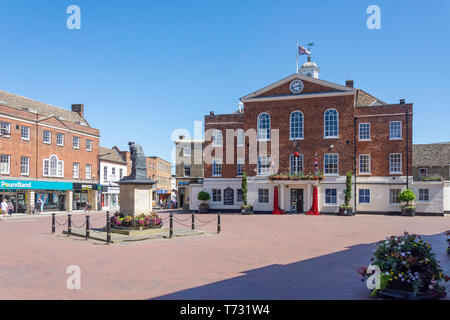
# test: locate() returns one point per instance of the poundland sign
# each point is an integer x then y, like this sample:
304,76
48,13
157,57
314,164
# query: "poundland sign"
34,185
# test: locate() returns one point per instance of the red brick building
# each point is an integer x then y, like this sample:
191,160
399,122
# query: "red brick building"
278,131
46,153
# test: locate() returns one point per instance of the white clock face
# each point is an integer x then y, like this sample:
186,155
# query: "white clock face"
296,86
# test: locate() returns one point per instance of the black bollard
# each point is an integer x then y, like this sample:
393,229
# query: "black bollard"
87,227
193,221
108,228
69,225
218,222
171,226
53,223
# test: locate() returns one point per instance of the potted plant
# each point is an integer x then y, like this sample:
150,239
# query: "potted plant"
245,208
204,197
407,196
404,267
448,241
346,209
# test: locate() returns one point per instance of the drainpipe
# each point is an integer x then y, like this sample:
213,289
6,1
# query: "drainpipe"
407,149
354,157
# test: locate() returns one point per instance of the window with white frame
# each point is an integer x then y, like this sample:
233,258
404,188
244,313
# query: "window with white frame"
423,172
217,138
240,167
76,142
120,173
5,165
113,172
330,196
60,139
47,136
364,163
25,133
240,137
263,126
217,195
239,197
296,125
424,195
88,145
217,167
330,164
88,172
5,128
53,167
395,130
364,195
24,166
331,124
364,131
395,163
296,164
394,196
187,170
76,170
263,195
105,174
187,151
263,165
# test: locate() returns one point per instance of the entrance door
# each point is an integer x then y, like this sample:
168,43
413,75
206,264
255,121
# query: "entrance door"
296,200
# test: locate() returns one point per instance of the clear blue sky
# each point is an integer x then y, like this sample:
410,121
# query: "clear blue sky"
145,68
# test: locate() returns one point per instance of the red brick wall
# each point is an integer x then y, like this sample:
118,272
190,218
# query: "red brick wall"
37,150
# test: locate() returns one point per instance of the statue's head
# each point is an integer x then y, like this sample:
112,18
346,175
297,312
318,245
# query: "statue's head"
130,143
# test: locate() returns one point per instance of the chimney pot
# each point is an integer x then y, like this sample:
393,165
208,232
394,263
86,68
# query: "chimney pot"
78,108
349,83
402,101
211,113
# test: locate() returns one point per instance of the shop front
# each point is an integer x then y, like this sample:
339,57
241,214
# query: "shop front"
25,195
110,197
84,192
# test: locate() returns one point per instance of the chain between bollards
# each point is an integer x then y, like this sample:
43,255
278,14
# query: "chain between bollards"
171,226
108,228
193,221
69,224
53,223
218,222
87,227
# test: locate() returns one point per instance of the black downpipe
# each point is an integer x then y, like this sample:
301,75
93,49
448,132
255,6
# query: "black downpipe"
354,158
407,149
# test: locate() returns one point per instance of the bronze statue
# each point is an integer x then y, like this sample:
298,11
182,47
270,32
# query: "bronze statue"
138,165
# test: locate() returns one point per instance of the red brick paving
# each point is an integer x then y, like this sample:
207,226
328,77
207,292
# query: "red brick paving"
255,257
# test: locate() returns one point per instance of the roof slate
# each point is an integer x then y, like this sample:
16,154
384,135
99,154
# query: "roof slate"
431,155
112,155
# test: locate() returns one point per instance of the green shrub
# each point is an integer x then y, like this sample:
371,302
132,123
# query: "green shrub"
203,196
407,196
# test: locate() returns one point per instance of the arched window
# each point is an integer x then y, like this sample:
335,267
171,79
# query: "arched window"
331,123
264,126
53,165
296,125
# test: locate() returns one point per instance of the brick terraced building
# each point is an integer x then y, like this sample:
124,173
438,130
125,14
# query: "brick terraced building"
283,126
46,153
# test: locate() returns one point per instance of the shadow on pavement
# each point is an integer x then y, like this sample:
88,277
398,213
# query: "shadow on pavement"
332,276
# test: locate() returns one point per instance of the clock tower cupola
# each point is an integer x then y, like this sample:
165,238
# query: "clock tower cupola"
310,69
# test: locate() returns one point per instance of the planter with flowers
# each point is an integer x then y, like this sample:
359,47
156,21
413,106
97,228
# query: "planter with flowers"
407,269
408,208
448,241
142,222
299,176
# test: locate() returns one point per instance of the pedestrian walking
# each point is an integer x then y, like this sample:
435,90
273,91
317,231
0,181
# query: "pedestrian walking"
41,205
4,208
10,208
87,208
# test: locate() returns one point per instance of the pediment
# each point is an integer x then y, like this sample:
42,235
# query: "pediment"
310,87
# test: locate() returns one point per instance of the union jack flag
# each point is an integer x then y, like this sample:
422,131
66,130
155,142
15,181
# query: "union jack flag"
303,50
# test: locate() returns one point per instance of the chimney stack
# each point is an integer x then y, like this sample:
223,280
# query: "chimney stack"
211,113
78,108
349,83
402,101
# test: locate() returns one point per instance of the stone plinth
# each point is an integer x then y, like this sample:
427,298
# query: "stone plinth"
135,198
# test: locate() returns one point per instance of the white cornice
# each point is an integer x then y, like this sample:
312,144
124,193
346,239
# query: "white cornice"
296,97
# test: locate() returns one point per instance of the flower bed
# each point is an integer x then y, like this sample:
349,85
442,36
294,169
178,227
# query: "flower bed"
289,176
406,264
448,241
152,221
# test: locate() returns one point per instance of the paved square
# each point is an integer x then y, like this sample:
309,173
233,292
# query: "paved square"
254,257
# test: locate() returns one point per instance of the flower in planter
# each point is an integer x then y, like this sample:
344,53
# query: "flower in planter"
407,264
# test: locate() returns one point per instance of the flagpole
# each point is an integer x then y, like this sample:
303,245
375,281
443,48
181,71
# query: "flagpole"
296,50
